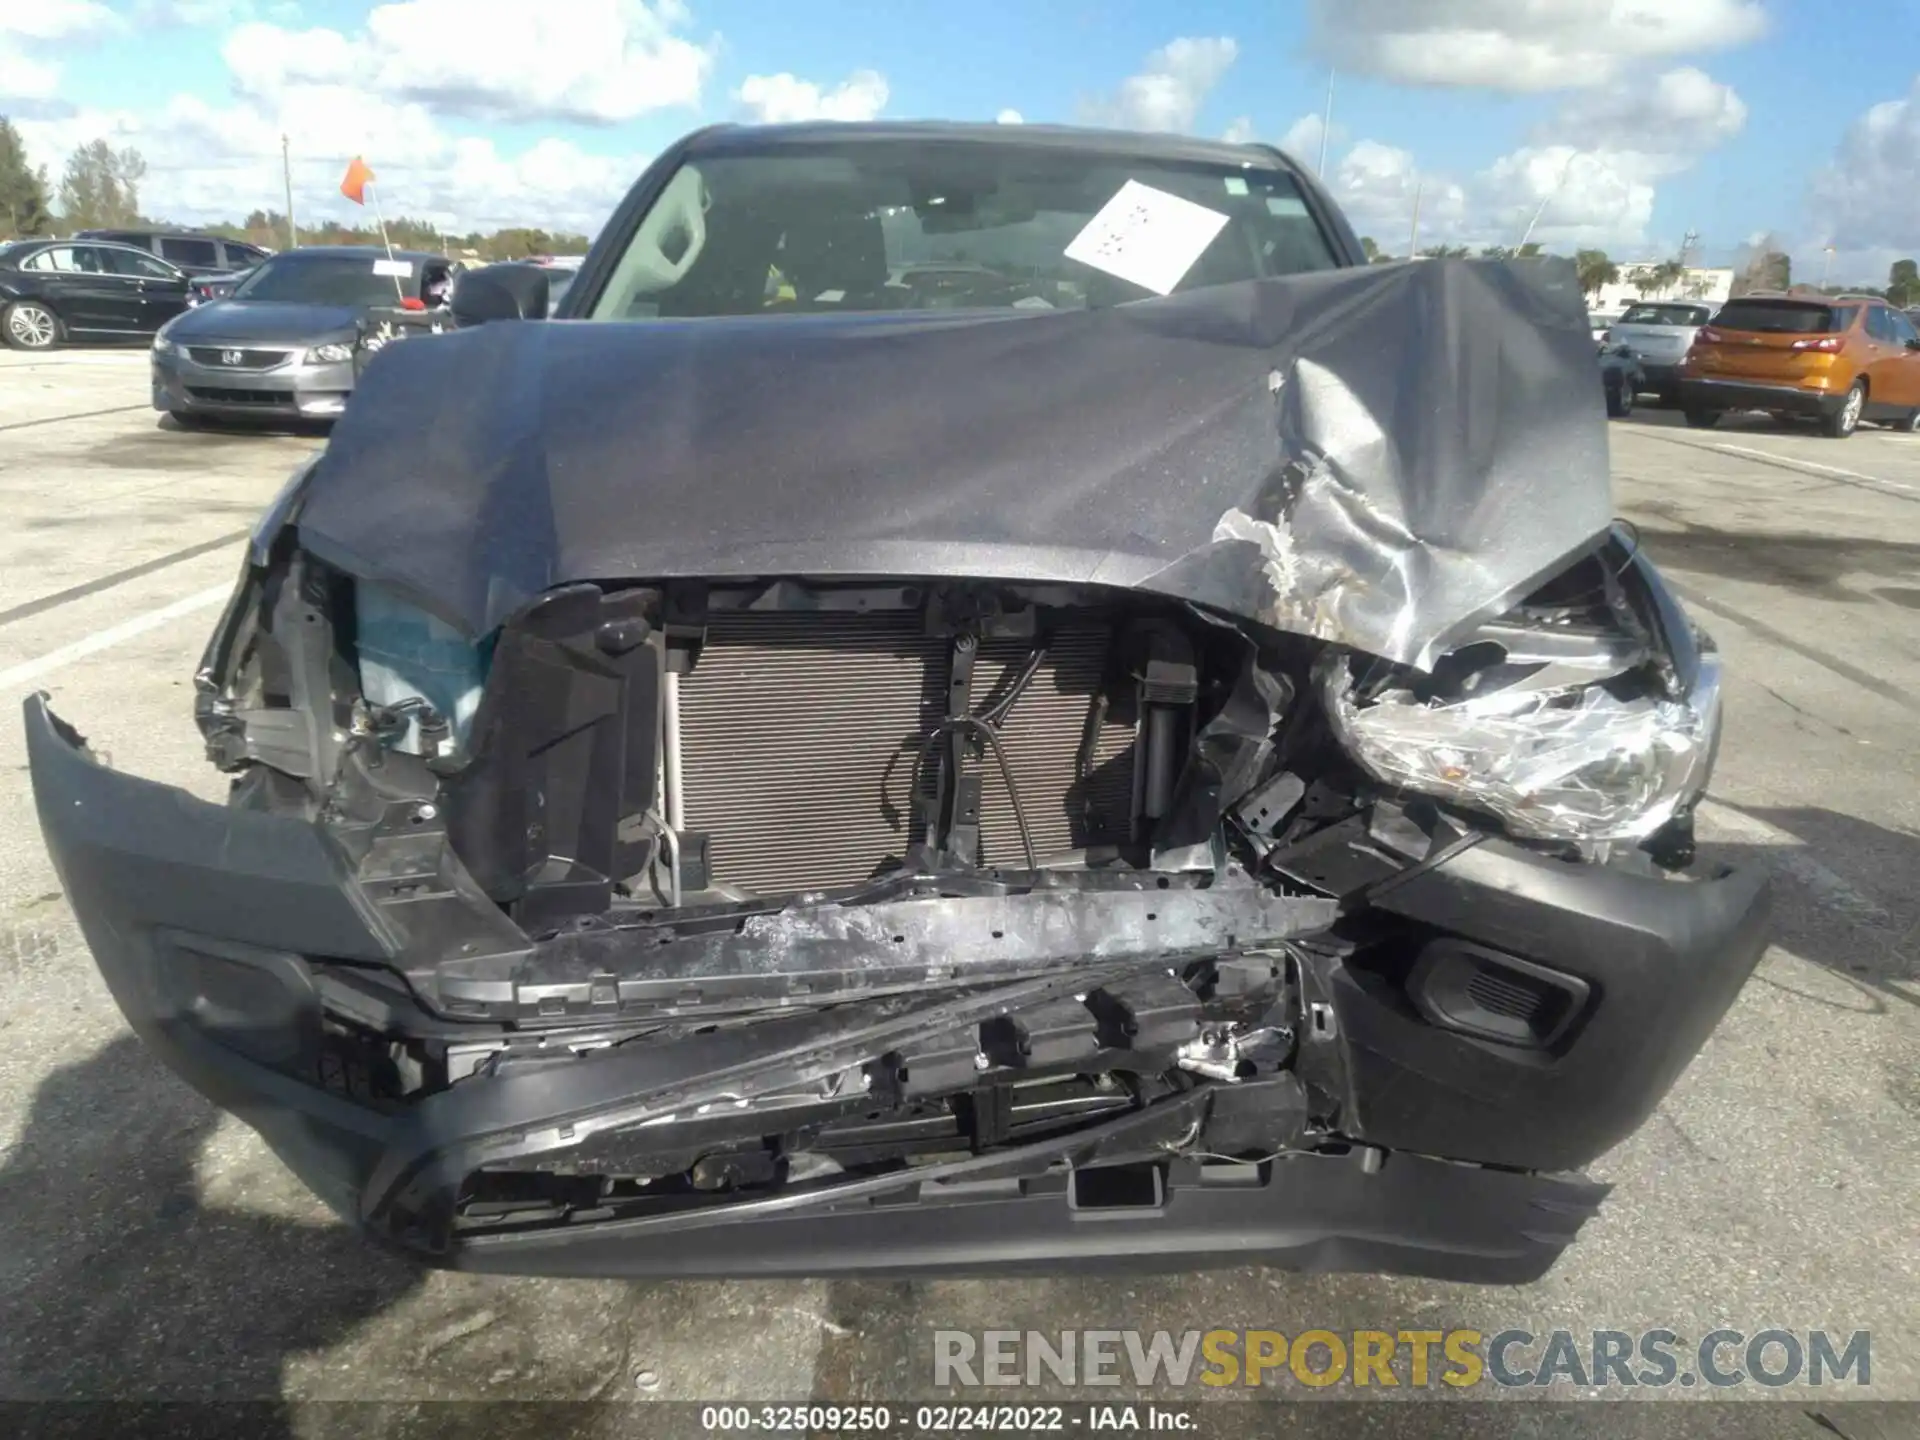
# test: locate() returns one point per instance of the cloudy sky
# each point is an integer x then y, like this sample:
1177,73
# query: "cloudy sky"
1637,121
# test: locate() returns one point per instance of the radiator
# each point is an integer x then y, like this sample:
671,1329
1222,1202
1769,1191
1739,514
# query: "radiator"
800,733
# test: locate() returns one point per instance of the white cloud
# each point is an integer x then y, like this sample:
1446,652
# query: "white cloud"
587,61
1868,197
1240,130
785,98
211,161
27,76
1168,91
1010,117
1582,197
1679,114
1376,186
210,13
218,163
1522,45
24,78
46,20
1302,140
1592,171
381,91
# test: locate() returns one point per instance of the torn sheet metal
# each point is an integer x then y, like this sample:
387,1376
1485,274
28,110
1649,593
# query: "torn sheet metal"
1381,457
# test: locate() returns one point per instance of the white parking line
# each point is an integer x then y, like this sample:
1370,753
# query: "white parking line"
1811,466
31,670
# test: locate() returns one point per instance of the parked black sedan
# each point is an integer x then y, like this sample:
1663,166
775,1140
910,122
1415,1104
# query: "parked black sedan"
57,290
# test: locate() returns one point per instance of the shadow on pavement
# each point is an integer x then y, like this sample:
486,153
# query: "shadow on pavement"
115,1281
1868,935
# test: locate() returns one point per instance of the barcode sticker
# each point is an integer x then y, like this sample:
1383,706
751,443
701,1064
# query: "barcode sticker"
1146,236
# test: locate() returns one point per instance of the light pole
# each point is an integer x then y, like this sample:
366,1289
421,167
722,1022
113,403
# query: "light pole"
1326,124
1547,199
286,175
1826,265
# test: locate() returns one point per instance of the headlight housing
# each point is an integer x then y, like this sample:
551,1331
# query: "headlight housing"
329,354
162,345
1590,759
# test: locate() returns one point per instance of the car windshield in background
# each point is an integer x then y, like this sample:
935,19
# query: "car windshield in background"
1665,315
1780,317
871,227
324,280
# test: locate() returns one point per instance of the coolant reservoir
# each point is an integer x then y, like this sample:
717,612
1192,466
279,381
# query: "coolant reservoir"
408,655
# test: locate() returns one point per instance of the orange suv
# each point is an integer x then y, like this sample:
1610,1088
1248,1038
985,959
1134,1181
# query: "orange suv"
1838,360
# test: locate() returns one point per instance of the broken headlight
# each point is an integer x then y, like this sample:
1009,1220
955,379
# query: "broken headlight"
1571,748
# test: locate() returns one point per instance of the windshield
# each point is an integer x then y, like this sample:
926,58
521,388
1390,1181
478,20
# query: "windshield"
1665,315
327,280
869,226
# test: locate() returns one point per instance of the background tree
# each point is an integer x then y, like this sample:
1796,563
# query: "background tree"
1595,269
1766,267
1667,274
1370,248
1903,282
101,186
1446,252
23,190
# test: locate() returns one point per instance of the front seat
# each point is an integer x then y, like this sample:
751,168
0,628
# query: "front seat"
836,261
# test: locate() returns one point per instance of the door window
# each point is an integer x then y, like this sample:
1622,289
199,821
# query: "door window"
63,259
1903,331
184,251
1880,323
140,265
239,257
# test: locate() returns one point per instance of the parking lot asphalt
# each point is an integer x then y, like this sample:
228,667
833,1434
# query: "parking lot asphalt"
154,1248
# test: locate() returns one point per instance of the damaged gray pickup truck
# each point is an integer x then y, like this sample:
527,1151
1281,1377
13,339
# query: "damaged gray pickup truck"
982,699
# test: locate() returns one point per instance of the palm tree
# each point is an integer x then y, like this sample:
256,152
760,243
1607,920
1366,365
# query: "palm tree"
1595,269
1666,275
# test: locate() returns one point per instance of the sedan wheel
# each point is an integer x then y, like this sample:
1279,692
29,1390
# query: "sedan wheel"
31,326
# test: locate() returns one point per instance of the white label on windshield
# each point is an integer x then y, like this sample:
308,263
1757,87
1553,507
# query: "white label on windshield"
398,269
1146,236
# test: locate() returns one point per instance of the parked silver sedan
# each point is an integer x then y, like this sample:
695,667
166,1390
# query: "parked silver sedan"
282,347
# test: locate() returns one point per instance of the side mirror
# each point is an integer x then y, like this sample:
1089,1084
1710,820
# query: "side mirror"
500,292
1913,344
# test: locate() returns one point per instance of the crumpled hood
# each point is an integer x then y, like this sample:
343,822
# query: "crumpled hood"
263,321
1380,457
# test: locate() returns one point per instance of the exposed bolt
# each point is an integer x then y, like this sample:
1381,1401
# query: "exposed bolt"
647,1380
425,812
980,1061
1105,1081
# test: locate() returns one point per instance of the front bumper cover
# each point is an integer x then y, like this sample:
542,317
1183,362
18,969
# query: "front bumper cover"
183,386
166,886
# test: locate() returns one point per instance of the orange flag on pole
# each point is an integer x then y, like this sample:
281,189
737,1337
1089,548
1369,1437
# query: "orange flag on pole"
354,185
